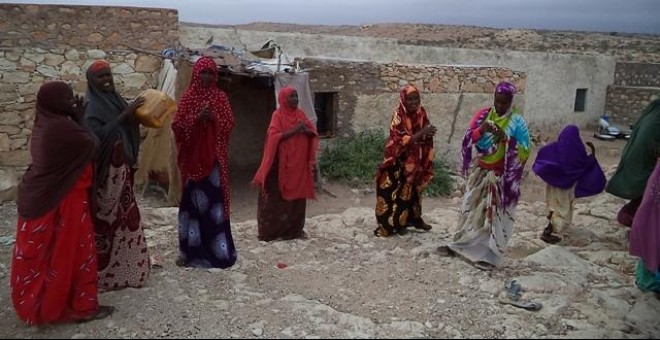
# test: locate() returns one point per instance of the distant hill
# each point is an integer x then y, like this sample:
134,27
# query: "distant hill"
624,46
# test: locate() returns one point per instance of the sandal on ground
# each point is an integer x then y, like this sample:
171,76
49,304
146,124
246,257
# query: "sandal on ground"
547,235
550,239
483,266
445,251
102,313
423,226
180,261
527,305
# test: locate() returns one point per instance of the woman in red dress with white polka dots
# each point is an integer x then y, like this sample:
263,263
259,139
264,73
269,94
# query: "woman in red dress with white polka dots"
202,127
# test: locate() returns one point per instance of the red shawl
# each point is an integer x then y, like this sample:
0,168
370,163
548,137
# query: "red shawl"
416,159
201,143
296,155
60,148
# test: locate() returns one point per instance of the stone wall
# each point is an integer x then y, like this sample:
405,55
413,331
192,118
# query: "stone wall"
625,103
96,27
367,94
44,42
637,74
635,86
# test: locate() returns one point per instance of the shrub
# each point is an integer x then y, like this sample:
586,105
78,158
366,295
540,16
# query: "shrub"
354,161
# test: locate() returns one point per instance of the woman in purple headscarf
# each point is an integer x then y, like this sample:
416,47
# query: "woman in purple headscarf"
569,173
500,136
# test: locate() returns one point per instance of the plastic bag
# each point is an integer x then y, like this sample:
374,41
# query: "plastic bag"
157,106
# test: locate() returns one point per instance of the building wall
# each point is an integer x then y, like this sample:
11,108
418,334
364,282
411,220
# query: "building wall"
637,74
625,103
635,86
49,42
367,94
552,79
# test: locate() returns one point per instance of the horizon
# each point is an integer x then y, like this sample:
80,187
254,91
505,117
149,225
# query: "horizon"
601,16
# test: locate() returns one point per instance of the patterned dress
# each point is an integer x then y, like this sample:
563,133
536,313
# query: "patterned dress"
493,186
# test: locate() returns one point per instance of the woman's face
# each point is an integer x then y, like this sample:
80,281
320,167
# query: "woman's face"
103,81
412,102
502,103
292,99
207,78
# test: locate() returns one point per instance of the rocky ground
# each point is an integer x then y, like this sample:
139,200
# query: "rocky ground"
342,282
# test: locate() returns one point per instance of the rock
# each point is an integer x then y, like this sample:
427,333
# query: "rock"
419,252
258,332
557,256
355,217
147,63
48,71
134,81
16,77
79,336
96,54
551,283
72,55
644,315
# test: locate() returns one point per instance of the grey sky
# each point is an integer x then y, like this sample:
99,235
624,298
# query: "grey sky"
641,16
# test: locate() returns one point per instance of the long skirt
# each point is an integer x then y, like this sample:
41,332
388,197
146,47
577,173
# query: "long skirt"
205,239
398,203
560,207
54,275
627,213
486,225
120,243
278,218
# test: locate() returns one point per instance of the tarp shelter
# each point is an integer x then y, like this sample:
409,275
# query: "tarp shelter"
251,84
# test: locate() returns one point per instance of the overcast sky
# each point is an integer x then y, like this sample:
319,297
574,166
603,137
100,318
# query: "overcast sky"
641,16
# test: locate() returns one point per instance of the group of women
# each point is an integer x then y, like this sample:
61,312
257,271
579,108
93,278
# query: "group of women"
79,229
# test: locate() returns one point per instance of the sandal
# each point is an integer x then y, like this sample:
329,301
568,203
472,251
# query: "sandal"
547,235
180,262
102,313
445,251
483,265
423,226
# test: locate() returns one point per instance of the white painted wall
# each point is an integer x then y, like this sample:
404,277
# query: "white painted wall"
552,79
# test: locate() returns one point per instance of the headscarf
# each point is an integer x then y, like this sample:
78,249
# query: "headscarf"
60,150
645,232
201,143
101,116
506,88
639,156
565,163
296,155
417,159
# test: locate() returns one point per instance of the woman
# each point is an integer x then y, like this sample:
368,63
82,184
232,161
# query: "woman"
645,235
637,162
54,274
123,259
407,167
500,136
202,127
569,173
285,174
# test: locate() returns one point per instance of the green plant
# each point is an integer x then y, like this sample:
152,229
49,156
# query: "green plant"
354,160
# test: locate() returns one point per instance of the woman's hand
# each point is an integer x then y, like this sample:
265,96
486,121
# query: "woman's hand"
592,147
129,112
205,113
79,107
487,126
424,134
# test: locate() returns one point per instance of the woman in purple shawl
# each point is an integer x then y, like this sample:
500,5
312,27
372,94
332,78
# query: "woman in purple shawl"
569,173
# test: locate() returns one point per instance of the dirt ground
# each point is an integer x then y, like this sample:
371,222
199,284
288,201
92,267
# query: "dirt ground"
344,282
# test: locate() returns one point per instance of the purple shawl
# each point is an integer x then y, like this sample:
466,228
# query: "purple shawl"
645,233
565,163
